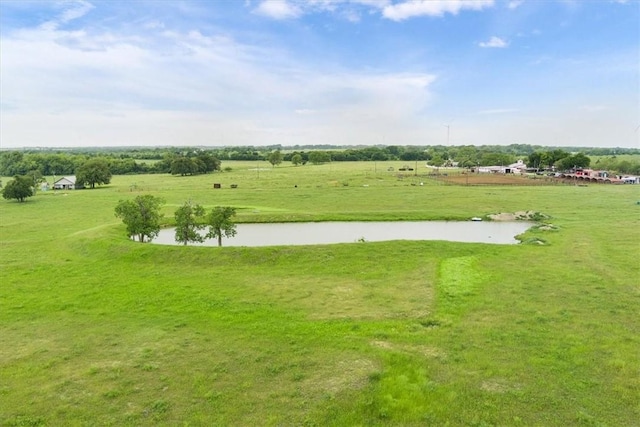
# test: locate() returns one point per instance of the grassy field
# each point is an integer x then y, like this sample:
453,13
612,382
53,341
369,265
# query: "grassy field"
98,330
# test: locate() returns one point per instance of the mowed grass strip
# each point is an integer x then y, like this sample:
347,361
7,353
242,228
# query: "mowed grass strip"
96,329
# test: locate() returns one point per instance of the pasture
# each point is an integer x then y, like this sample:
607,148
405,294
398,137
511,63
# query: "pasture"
99,330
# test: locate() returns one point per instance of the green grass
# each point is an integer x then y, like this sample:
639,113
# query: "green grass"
98,330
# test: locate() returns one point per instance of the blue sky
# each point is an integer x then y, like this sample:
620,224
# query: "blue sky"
392,72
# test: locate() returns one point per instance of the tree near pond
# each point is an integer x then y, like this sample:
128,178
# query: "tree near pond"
19,188
220,223
189,223
141,216
92,172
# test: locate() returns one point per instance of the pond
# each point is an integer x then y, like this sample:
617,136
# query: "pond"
322,233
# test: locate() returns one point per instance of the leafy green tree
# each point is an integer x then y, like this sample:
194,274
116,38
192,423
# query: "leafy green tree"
296,159
182,165
189,223
220,223
395,151
578,160
92,172
555,155
19,188
536,159
208,163
436,160
8,159
275,157
141,216
496,159
467,156
410,155
319,157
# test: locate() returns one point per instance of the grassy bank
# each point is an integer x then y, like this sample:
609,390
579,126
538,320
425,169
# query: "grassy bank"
98,330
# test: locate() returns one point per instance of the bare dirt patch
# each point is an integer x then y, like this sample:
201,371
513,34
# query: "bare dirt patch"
497,385
493,179
517,216
345,375
408,348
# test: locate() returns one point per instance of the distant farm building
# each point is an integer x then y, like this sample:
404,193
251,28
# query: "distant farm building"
519,167
590,175
66,183
630,179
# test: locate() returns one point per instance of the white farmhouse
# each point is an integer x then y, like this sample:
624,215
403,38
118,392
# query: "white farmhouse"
66,183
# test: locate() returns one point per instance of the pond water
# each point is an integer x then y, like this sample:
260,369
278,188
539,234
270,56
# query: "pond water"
321,233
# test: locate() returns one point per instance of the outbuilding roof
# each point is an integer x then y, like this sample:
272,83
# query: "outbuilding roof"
67,179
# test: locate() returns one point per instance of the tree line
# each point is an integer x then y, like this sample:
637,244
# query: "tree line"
193,161
142,217
187,162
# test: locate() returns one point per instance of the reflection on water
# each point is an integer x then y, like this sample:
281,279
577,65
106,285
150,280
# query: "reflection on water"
320,233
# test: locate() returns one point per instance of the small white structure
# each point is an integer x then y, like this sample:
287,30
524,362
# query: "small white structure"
630,179
517,167
66,183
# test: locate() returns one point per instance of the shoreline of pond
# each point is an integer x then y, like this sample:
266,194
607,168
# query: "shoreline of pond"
336,232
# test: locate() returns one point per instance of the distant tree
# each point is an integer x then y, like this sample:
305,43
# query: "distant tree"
275,157
378,156
92,172
164,165
182,165
296,159
12,163
536,159
555,155
36,178
575,161
220,224
141,216
7,159
19,188
208,163
319,157
395,151
410,155
496,159
189,223
436,160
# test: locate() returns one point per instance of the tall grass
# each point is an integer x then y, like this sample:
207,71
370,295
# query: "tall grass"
98,330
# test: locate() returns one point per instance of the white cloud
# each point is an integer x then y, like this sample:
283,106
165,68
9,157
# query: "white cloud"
497,111
494,42
593,108
189,87
305,111
289,9
72,10
412,8
514,4
278,9
157,80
